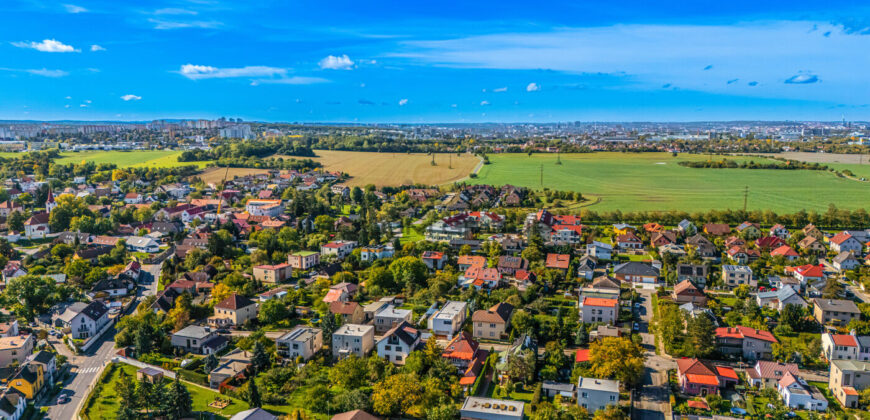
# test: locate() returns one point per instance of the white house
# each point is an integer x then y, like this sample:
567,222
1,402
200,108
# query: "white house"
376,252
778,299
398,343
449,319
845,261
596,394
796,393
340,249
12,405
353,339
84,320
302,341
142,244
599,250
36,226
271,208
844,242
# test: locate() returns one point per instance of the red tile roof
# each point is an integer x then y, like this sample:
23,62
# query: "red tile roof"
592,301
558,261
703,379
745,332
840,238
845,340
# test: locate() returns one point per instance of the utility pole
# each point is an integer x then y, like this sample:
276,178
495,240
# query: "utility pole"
745,197
542,176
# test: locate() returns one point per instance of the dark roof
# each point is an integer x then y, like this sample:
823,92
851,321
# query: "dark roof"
118,282
234,302
43,357
838,305
93,252
636,268
166,227
95,310
216,342
405,332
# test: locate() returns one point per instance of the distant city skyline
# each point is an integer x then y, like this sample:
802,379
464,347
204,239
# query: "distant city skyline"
444,62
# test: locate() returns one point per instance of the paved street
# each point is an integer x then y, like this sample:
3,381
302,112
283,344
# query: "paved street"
85,368
652,402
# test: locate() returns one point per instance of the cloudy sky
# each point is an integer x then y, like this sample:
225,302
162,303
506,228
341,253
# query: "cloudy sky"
444,61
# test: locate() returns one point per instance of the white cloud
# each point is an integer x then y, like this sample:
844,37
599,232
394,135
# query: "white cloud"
71,8
129,97
196,72
38,72
95,48
67,97
484,103
83,106
293,80
403,102
47,73
47,45
170,24
66,106
501,89
533,87
175,11
342,62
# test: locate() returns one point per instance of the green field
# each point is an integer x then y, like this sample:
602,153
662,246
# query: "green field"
654,181
127,159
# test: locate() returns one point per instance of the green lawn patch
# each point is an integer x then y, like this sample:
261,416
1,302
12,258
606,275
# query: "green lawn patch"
127,159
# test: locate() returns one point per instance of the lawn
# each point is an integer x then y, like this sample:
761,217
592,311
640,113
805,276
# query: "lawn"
126,159
410,235
107,403
655,181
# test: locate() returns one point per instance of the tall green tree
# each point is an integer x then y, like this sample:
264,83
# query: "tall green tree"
180,403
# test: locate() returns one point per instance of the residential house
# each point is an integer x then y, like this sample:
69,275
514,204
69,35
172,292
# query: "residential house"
48,360
479,408
493,323
232,365
15,349
350,312
12,405
845,261
595,394
462,351
480,277
390,316
133,198
660,239
13,269
199,340
508,265
697,377
115,286
234,310
844,242
339,249
398,342
464,262
696,273
767,374
811,230
84,320
749,343
786,252
142,244
599,250
704,247
277,273
835,311
434,260
553,388
8,207
845,347
271,208
303,260
254,414
807,274
29,380
767,243
777,299
636,272
586,267
686,292
686,227
779,231
449,319
628,241
796,393
353,339
302,342
847,379
735,275
558,261
812,245
376,252
717,229
596,309
749,230
36,226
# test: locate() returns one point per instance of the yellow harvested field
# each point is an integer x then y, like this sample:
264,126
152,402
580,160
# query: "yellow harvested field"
394,169
216,175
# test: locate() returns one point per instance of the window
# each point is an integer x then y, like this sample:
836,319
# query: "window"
613,398
585,395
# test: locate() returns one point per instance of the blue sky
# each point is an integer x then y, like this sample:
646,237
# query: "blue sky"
446,61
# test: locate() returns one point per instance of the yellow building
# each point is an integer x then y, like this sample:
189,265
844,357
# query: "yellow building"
29,380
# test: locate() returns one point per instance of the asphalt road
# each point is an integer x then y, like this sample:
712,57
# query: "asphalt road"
85,368
651,402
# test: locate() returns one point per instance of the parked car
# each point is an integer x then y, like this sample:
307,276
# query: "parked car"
63,399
